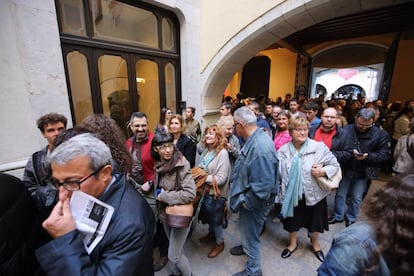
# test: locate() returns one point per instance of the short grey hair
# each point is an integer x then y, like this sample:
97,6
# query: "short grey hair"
246,115
80,145
365,113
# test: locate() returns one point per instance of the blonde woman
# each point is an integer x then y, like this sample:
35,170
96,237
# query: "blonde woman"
176,126
301,161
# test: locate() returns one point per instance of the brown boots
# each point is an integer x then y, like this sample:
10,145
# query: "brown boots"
211,237
216,250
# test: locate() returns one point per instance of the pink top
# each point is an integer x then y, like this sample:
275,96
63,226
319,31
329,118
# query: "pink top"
281,138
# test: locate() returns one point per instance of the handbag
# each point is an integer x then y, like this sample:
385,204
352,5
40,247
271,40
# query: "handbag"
179,215
214,207
328,184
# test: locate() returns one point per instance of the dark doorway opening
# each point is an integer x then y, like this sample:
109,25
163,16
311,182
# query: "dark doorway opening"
255,78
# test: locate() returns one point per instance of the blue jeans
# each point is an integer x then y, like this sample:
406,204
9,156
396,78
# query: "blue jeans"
251,224
353,188
218,232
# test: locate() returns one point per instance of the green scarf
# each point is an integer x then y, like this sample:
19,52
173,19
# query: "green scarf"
294,189
206,157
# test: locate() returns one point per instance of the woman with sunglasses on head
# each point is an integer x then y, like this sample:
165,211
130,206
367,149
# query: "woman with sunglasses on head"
175,186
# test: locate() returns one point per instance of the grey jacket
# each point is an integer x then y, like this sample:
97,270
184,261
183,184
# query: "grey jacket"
316,153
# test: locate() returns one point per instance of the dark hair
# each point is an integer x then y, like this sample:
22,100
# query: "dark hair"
193,110
50,118
391,211
69,133
137,115
311,106
160,137
162,116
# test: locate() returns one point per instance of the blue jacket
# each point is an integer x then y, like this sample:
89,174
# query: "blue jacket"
352,251
126,248
254,177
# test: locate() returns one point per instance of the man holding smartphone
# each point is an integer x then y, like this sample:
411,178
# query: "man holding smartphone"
361,149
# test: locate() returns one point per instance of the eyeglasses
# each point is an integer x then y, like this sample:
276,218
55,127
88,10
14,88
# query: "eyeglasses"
363,126
301,129
329,117
235,124
140,126
74,185
164,147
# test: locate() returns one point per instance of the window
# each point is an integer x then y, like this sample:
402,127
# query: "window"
119,58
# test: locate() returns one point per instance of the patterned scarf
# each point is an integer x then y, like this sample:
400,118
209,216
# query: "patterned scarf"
294,188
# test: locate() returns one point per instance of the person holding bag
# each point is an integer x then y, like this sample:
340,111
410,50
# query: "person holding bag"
175,187
301,162
215,161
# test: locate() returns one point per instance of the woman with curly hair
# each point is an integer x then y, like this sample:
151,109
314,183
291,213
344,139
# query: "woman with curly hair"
384,245
108,131
215,161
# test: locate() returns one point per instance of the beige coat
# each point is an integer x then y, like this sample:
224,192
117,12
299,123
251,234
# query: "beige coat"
170,196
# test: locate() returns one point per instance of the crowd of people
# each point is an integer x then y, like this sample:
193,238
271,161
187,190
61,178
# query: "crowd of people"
261,155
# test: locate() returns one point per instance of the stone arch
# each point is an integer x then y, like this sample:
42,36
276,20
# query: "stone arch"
277,23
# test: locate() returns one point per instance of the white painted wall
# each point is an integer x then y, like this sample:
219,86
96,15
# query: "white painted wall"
32,80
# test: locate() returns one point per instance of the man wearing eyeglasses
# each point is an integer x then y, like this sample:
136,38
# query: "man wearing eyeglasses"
361,149
139,146
253,186
142,172
84,163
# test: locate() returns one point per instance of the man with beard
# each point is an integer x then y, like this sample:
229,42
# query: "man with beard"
142,172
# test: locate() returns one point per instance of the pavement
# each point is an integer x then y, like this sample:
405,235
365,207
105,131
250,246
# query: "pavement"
273,241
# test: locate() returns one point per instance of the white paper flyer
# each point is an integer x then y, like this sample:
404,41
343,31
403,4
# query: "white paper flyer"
92,218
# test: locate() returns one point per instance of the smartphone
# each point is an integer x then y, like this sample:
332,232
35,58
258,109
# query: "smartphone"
360,154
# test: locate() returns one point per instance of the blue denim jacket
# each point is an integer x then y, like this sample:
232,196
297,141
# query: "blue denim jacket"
352,251
254,177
